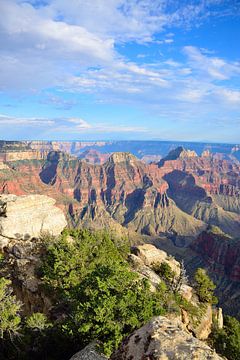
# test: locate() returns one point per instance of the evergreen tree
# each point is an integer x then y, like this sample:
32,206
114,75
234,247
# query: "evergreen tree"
9,310
204,286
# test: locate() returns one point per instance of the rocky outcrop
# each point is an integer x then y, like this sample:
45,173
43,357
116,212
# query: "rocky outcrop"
23,220
22,155
150,255
201,325
26,217
178,153
218,318
89,353
163,338
3,166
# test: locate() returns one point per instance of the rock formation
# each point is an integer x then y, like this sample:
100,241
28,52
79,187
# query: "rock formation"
179,197
144,260
25,217
150,256
89,353
122,191
163,338
93,157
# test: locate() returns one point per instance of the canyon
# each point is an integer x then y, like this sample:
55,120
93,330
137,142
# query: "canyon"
191,199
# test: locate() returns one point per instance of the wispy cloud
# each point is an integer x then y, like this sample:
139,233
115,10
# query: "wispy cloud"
215,67
22,121
68,125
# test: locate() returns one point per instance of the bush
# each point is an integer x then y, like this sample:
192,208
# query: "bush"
164,270
227,340
109,304
204,286
37,321
103,298
9,310
67,262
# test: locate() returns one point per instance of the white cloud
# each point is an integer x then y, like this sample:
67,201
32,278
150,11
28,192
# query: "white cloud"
216,68
80,123
71,45
68,125
22,121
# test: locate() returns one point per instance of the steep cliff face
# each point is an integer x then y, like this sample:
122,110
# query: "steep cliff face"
131,192
122,191
219,178
221,253
198,202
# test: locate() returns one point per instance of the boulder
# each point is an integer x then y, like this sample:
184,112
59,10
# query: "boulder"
163,339
28,216
88,353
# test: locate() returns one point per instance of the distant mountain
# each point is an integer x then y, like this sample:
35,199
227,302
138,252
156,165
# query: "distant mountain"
137,148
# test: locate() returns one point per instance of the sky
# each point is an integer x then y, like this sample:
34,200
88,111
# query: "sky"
120,69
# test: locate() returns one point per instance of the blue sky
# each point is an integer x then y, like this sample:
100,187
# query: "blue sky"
120,69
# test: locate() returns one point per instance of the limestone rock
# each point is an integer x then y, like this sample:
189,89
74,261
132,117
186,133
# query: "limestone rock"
144,271
26,217
186,291
203,328
218,316
163,339
88,353
152,255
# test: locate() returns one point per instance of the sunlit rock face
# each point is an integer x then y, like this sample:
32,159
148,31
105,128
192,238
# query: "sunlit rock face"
163,338
28,216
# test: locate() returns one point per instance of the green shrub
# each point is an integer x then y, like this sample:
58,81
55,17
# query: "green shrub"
9,310
109,304
103,298
204,286
37,321
164,271
66,262
227,340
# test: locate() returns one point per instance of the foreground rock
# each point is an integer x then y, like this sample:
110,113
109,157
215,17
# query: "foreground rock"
26,217
88,353
163,339
23,219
